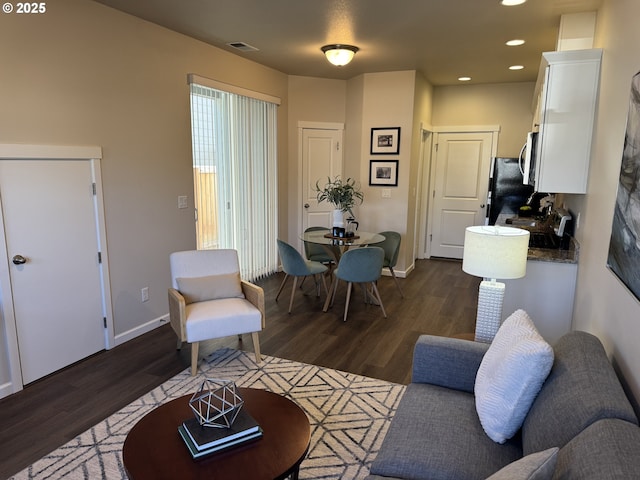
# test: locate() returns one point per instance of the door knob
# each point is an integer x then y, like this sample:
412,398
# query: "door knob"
306,205
482,205
18,260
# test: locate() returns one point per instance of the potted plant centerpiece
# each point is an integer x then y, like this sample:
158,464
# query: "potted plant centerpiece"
343,194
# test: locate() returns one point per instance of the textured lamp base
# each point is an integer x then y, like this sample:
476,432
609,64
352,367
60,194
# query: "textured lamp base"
489,318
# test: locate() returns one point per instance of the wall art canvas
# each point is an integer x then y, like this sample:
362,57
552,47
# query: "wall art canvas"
624,247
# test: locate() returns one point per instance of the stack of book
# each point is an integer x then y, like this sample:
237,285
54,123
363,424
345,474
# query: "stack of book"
202,441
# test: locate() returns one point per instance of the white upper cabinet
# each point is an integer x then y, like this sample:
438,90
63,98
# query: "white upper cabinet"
566,110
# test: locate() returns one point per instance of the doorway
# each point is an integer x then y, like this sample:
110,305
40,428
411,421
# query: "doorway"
321,157
53,273
458,186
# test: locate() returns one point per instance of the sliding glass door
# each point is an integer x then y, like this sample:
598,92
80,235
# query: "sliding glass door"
235,176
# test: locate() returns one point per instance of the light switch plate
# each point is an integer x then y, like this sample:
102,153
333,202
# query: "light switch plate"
182,201
386,193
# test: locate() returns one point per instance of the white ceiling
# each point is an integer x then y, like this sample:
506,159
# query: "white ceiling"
443,39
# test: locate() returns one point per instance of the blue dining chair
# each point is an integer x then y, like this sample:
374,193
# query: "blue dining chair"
294,265
363,266
391,247
315,252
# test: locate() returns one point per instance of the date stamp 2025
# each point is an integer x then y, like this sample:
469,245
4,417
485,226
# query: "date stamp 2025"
24,7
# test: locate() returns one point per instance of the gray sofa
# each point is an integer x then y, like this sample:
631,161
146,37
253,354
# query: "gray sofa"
581,408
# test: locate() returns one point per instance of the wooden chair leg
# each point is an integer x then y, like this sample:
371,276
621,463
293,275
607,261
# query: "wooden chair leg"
293,291
256,346
194,357
393,274
346,305
330,292
179,345
282,285
375,290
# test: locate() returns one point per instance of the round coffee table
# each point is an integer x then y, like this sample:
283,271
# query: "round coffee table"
153,448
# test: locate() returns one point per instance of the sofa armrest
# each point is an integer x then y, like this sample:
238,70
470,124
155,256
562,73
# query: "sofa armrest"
447,362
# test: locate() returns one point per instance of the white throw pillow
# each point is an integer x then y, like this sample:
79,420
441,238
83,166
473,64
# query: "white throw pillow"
212,287
510,376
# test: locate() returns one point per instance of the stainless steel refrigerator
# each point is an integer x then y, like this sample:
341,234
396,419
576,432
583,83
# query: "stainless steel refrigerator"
506,190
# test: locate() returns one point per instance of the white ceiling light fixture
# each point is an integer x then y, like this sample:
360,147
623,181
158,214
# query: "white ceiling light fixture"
338,54
516,67
511,3
464,79
516,42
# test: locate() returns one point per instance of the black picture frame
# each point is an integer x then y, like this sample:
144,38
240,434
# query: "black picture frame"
385,141
383,173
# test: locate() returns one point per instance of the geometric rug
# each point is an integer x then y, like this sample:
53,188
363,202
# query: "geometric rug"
349,416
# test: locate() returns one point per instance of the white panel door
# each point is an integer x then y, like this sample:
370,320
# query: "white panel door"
49,219
321,159
460,192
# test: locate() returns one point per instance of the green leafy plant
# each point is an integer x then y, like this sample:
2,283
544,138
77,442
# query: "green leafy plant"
343,194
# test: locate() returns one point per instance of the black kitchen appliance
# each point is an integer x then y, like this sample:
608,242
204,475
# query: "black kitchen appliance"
506,190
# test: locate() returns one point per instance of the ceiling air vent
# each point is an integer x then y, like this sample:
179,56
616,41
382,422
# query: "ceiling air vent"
245,47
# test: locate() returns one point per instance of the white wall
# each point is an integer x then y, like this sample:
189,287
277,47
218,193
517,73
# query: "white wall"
85,74
310,100
603,305
388,101
504,104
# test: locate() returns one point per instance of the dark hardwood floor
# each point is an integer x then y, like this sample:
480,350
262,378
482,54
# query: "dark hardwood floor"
439,299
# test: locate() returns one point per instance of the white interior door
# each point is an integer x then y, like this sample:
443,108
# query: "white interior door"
460,187
321,158
49,215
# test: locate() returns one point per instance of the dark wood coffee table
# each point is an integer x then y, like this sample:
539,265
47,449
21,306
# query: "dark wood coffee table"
154,450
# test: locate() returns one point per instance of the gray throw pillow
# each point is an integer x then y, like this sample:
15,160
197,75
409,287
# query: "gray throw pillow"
537,466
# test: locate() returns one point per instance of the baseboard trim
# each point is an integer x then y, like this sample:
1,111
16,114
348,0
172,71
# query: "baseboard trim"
399,273
7,389
141,329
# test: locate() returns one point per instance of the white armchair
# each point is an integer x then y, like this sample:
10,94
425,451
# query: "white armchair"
208,300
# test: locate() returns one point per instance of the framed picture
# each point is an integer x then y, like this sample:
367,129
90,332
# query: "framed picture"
385,141
383,172
624,251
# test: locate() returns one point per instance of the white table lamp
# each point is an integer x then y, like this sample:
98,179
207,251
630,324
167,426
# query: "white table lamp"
493,252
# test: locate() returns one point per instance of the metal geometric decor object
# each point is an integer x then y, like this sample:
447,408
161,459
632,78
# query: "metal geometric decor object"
216,403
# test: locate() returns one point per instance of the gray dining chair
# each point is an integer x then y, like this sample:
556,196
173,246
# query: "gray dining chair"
315,252
362,266
294,265
391,247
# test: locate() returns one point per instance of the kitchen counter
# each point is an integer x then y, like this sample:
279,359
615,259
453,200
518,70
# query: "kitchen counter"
547,290
541,254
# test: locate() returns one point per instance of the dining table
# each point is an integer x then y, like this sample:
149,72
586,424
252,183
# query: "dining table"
336,246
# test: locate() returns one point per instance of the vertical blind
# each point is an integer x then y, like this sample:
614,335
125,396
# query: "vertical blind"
235,176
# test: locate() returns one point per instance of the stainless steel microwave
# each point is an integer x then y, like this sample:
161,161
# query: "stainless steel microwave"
528,159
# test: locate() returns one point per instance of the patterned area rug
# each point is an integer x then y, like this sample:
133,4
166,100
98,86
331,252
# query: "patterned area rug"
349,415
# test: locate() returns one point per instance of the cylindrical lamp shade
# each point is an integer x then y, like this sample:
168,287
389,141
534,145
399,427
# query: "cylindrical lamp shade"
495,252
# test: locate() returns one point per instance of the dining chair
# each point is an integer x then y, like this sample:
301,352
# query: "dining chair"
391,247
208,299
359,265
316,252
294,265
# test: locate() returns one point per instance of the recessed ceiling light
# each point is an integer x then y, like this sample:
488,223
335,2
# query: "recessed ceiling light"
464,79
511,3
515,42
516,67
